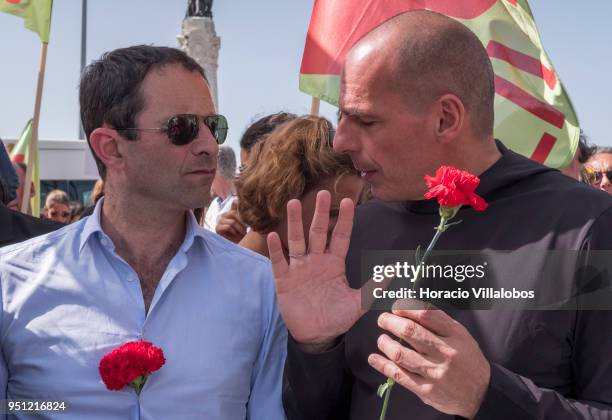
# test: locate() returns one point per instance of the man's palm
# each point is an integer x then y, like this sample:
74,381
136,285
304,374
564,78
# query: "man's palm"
314,297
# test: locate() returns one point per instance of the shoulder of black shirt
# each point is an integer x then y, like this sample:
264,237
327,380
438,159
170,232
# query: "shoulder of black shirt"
17,227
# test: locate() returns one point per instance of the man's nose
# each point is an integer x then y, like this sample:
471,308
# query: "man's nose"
606,183
205,142
344,141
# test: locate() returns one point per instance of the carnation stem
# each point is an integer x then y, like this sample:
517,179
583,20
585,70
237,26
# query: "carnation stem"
439,230
383,412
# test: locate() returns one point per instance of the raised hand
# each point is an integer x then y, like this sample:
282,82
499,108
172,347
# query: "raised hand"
230,226
313,294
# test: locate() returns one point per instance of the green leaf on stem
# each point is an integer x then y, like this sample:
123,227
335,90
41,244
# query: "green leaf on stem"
382,388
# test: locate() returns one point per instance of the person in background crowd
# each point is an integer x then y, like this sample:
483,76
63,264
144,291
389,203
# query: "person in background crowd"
97,193
16,226
57,206
583,153
223,189
140,268
20,170
258,130
295,161
229,224
76,211
599,169
7,173
4,190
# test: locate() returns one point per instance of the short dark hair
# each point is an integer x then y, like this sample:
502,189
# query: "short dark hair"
602,149
585,149
109,90
262,127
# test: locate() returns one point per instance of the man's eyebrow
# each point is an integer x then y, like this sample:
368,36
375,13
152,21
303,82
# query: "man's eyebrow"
354,112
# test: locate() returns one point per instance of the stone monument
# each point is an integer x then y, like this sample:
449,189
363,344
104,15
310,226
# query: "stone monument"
200,41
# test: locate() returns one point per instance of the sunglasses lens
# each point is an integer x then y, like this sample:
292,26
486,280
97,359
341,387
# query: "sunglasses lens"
595,177
182,129
217,124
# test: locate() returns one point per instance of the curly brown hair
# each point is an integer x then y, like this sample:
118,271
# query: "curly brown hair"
293,159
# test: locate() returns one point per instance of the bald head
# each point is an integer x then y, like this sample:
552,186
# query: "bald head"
424,55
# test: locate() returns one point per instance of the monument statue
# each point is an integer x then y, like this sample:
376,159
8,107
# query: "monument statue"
199,8
199,40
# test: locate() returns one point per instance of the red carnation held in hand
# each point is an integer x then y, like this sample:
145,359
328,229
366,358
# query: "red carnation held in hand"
130,364
454,188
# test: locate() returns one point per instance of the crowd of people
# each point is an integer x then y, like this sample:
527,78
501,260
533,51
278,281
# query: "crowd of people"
250,279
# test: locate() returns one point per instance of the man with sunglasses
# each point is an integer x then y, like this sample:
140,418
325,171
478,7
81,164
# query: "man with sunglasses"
598,169
140,267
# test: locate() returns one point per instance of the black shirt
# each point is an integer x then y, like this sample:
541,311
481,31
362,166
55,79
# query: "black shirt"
17,227
544,364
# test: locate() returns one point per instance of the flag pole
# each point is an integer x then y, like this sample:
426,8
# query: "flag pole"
314,107
33,147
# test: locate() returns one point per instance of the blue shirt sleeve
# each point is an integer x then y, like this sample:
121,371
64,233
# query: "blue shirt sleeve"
265,401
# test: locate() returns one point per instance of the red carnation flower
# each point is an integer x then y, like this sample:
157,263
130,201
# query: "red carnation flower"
130,364
454,188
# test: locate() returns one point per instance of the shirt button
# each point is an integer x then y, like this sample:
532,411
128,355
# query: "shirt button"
104,241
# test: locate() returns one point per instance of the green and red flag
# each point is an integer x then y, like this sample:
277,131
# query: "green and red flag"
533,113
35,13
20,153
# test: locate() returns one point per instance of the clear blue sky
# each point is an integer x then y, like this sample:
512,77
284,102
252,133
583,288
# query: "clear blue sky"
261,49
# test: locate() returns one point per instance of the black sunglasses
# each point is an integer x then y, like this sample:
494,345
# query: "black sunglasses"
595,177
182,129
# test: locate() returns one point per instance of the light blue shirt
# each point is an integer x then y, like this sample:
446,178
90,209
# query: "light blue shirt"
68,299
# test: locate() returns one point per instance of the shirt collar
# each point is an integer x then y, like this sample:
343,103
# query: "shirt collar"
193,230
92,226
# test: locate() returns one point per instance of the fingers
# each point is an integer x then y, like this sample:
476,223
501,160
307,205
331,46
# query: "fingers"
317,237
421,339
231,227
406,358
341,236
295,229
275,250
408,380
430,317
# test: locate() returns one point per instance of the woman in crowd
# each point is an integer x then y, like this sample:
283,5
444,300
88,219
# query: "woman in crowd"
295,161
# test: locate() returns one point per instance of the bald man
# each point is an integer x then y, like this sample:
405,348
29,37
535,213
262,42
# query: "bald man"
416,93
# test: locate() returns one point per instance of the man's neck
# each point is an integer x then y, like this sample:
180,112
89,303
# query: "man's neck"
142,230
145,236
475,156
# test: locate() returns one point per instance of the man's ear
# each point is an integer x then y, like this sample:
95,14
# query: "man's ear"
451,117
105,143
